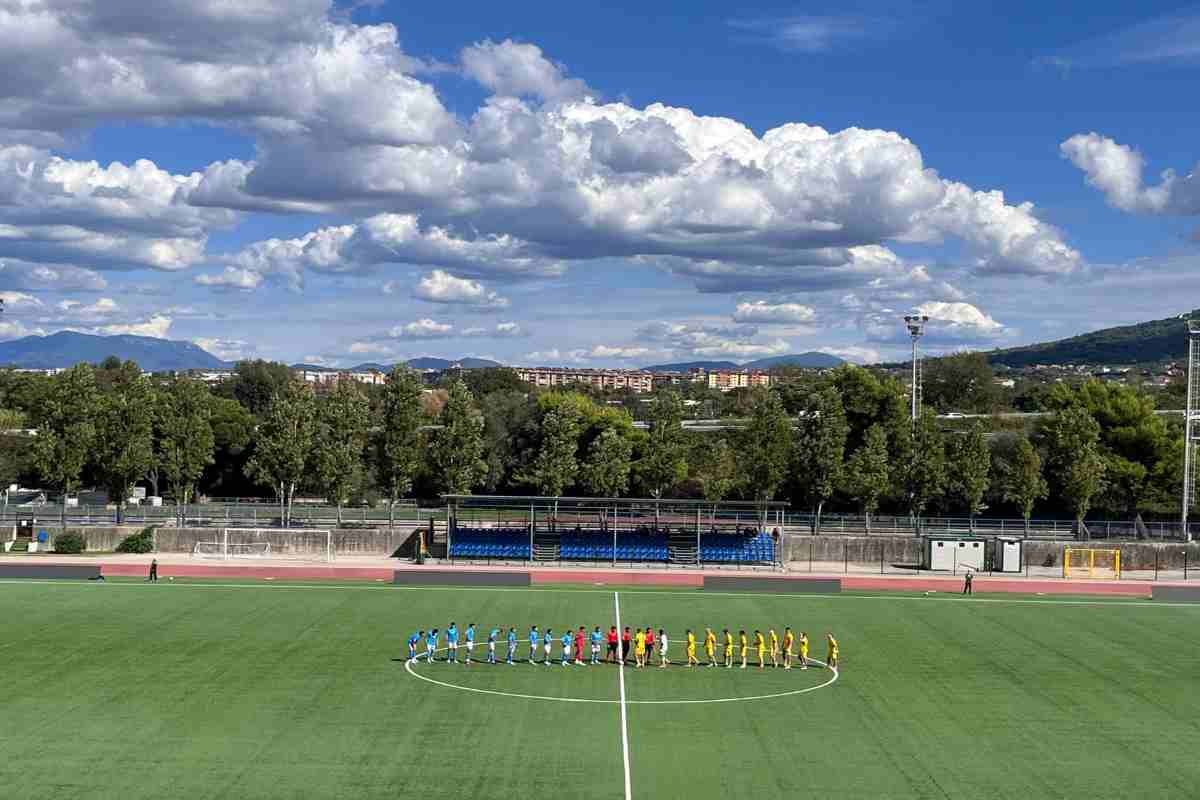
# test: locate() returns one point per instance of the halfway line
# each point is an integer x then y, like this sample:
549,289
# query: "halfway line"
621,683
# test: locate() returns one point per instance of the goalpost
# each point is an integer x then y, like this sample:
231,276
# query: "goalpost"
276,544
1091,562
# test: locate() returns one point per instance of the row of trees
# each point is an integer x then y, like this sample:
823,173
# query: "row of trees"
843,440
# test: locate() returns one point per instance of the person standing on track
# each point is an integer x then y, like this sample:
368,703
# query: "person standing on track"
625,644
614,641
967,583
153,576
534,639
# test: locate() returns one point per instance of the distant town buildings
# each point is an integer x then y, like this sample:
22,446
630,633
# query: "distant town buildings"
639,380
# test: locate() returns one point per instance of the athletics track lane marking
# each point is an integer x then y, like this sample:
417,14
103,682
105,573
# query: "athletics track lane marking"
621,676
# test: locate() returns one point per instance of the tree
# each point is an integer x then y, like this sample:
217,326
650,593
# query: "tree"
284,444
606,469
713,466
233,429
397,447
555,466
456,452
65,431
765,449
959,382
184,441
663,462
820,449
123,450
340,442
970,468
1023,483
255,384
508,417
924,480
867,474
1074,459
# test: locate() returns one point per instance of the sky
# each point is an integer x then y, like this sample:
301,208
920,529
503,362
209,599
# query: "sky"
618,185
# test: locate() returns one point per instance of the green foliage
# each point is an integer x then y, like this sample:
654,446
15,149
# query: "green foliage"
555,465
871,399
123,449
1021,481
663,460
185,440
867,474
456,451
396,450
339,443
70,543
255,384
233,428
969,465
924,476
487,380
960,382
1074,459
140,542
765,447
820,449
284,443
509,419
713,466
66,432
606,470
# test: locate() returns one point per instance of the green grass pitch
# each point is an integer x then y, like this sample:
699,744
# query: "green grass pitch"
189,690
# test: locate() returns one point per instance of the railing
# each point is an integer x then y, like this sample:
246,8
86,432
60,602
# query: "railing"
893,525
228,515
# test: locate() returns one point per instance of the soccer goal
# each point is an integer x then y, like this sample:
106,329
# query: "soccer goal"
1089,562
275,544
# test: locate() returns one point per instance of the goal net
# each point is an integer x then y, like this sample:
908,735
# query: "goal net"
1089,562
274,544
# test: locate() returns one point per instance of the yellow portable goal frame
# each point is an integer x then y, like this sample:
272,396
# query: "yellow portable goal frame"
1086,566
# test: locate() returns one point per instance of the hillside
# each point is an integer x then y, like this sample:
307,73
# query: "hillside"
1157,340
684,366
68,348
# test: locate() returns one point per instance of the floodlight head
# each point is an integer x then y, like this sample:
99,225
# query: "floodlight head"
915,324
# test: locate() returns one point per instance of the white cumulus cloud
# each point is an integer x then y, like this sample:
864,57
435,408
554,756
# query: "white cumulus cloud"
440,286
1116,170
766,313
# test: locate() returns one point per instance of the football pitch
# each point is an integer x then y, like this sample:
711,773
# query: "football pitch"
204,690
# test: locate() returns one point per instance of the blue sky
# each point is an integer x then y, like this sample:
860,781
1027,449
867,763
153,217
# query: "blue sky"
297,180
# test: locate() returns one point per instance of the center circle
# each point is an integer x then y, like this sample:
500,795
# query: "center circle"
410,663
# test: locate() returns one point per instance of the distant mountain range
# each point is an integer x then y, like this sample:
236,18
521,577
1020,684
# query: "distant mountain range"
809,360
67,348
1146,342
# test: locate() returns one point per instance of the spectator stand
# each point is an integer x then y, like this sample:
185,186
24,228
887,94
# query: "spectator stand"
617,531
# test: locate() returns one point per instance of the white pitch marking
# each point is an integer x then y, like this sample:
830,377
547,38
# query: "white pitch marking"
621,683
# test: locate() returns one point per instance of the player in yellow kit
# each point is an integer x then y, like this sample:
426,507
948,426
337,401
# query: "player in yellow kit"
745,646
691,649
728,649
639,649
831,660
788,641
760,647
710,646
803,640
773,639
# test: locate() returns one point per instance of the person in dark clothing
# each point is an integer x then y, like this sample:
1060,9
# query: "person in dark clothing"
153,576
967,583
625,645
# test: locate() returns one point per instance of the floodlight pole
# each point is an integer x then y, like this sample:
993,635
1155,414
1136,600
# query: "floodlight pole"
916,329
1191,417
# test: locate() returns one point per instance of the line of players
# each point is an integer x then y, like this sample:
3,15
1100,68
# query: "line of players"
641,642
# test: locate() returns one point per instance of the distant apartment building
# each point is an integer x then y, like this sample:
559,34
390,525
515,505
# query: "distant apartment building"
607,379
728,380
327,378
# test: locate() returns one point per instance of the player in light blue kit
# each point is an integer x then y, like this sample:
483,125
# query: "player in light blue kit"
452,644
547,641
492,634
596,639
512,645
470,642
431,640
534,639
413,641
566,648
